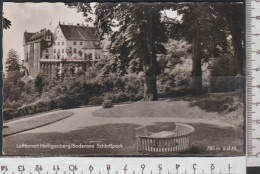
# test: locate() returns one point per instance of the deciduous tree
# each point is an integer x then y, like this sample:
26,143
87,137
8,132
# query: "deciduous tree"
203,27
141,29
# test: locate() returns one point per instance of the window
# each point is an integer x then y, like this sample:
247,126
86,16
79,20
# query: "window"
58,50
58,43
54,57
46,57
62,50
74,43
47,50
90,56
54,43
62,43
58,56
54,50
80,43
75,50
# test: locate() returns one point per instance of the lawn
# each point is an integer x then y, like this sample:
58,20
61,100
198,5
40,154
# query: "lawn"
22,125
121,134
223,130
222,107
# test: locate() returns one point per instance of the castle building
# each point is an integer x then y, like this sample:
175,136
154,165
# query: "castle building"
36,47
71,48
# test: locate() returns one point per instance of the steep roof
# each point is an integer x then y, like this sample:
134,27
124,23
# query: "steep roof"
72,32
39,35
27,36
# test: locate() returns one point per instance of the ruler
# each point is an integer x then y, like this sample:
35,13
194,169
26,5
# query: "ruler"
253,81
130,165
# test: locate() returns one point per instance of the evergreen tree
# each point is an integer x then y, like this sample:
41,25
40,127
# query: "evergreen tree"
12,62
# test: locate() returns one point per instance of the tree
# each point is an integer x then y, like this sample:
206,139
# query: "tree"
12,82
233,17
39,83
141,29
12,62
203,28
6,22
136,25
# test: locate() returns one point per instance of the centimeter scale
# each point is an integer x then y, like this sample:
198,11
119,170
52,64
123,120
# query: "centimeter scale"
123,165
253,81
170,165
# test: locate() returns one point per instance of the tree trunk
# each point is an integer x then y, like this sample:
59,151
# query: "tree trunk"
238,54
196,64
237,27
238,51
150,88
150,64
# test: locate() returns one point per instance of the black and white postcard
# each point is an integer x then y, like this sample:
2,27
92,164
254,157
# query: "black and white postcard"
123,79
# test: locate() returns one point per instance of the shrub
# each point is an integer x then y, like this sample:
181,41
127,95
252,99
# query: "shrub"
107,104
68,102
9,114
96,100
223,74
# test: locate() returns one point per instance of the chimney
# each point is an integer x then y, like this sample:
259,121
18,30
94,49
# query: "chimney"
25,31
78,24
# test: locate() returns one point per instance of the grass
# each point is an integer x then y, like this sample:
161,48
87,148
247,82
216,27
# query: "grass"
215,102
205,135
139,109
35,122
220,102
223,107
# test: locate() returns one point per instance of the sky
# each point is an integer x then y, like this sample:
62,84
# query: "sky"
33,17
